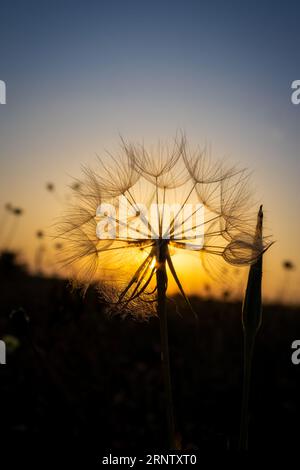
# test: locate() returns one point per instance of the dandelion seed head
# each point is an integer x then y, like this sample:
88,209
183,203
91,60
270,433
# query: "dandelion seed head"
113,238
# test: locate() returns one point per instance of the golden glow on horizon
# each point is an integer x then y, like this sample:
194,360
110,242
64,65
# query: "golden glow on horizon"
41,209
188,266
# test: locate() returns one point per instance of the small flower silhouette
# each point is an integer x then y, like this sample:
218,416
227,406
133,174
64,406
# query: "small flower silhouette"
16,213
50,187
288,265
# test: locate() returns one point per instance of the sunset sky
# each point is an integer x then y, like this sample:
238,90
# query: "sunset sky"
79,73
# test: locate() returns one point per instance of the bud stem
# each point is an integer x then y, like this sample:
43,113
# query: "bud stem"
248,354
251,321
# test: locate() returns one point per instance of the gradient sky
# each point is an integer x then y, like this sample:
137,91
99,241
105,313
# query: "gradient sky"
78,73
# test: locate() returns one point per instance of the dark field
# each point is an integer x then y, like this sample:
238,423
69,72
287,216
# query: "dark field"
78,376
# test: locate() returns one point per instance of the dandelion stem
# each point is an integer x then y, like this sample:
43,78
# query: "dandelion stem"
161,279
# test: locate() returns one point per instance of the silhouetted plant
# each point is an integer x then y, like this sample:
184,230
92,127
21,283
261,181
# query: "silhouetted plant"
288,267
251,321
39,252
16,212
131,270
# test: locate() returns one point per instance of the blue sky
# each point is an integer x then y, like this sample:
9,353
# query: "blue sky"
80,72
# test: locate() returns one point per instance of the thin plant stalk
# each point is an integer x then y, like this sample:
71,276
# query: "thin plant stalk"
11,234
161,279
4,219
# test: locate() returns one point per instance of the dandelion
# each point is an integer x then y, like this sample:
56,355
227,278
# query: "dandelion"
8,209
288,265
17,212
50,187
137,210
285,285
39,252
226,295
